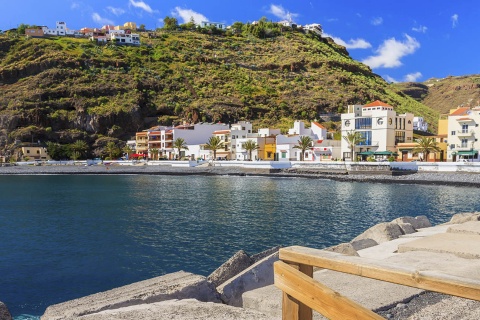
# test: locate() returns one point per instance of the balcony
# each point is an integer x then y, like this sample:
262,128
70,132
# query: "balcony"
463,147
368,144
465,133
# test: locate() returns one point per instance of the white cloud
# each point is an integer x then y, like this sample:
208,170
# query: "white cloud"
116,11
391,51
352,43
377,21
279,12
98,19
421,29
74,5
413,77
187,14
142,5
454,20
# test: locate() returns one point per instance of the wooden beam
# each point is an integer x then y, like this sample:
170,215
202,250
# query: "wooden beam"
317,296
292,309
380,270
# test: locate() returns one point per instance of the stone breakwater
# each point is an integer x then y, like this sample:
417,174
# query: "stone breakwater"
431,178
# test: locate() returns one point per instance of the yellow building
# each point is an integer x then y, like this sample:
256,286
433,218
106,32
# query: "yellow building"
269,149
130,25
142,142
224,136
35,153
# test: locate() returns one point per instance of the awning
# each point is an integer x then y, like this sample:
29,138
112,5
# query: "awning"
365,153
468,153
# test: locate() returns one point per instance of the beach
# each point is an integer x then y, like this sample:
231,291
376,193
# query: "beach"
429,178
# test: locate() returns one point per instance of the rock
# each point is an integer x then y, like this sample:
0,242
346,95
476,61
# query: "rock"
236,264
381,232
464,217
407,228
4,313
417,222
363,244
256,276
344,248
259,256
186,309
178,285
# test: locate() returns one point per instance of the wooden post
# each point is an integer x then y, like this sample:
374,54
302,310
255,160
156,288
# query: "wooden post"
292,309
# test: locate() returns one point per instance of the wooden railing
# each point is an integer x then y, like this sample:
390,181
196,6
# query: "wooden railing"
301,294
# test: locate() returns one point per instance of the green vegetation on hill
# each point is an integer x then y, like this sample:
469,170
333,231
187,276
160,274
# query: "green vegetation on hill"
442,95
65,89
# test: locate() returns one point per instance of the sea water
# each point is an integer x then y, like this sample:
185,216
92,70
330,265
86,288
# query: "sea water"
68,236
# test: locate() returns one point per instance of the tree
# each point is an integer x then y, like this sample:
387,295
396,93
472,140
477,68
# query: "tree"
426,145
112,150
250,145
180,144
237,27
127,150
304,143
79,147
75,155
57,151
353,138
141,27
214,143
170,23
154,153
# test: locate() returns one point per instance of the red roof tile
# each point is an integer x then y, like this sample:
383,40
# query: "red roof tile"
318,125
460,111
377,103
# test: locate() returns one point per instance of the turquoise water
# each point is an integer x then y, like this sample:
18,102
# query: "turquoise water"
63,237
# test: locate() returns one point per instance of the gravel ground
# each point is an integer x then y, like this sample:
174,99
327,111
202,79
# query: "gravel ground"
432,178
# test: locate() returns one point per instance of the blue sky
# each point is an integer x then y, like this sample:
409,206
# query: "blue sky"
407,40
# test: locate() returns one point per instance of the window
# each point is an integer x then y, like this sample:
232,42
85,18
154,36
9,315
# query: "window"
390,121
28,151
367,138
363,123
452,146
464,128
399,137
452,133
380,121
284,155
464,143
347,123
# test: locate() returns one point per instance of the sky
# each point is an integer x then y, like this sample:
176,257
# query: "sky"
401,40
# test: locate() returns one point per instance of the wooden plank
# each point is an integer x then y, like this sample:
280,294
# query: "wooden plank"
292,309
317,296
380,270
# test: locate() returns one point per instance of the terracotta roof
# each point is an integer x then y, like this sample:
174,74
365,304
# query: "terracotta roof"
318,125
221,131
377,103
464,119
460,111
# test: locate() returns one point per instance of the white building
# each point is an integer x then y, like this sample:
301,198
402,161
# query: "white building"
126,39
209,24
240,130
379,125
463,128
314,27
420,124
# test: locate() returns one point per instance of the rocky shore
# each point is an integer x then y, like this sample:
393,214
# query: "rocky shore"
428,178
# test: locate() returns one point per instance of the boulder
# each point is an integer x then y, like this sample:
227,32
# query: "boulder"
256,276
382,232
178,285
4,313
236,264
407,228
417,222
259,256
344,248
363,244
464,217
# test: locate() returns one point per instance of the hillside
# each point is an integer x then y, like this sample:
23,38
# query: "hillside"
442,95
64,89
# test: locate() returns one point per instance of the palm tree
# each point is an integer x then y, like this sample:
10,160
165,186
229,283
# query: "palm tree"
75,155
353,138
304,143
426,145
250,145
112,150
180,144
154,152
214,143
127,150
79,147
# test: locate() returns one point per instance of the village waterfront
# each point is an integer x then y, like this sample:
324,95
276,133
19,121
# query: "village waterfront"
67,236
